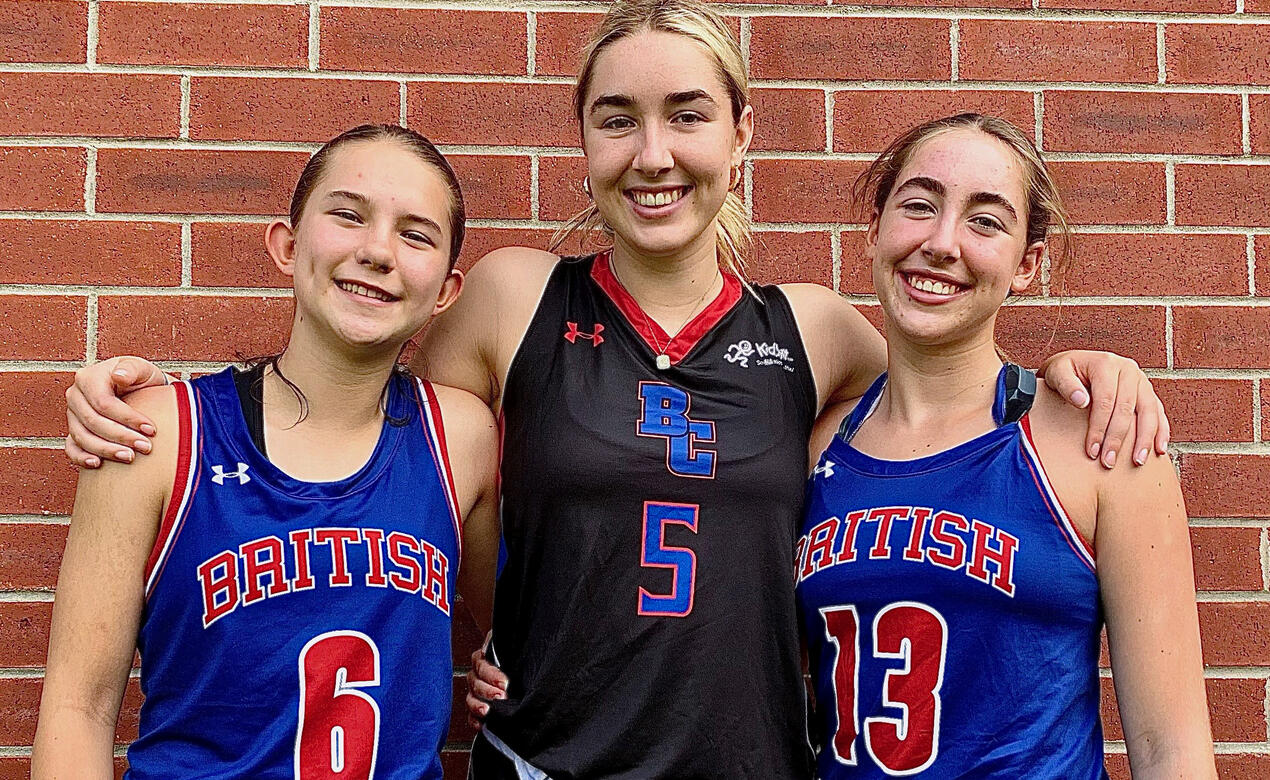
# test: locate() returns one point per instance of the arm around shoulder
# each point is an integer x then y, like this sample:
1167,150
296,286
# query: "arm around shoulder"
100,596
845,351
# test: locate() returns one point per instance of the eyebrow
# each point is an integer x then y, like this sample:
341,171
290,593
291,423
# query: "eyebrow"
626,101
364,201
937,187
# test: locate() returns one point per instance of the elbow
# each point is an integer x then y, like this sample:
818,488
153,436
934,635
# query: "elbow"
1158,757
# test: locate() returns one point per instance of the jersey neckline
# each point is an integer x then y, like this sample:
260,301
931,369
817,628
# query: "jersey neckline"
652,334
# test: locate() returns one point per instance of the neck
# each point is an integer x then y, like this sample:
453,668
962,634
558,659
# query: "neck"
669,290
939,384
340,393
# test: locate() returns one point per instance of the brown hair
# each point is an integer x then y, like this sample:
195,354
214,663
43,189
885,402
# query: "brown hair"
1045,209
697,21
422,147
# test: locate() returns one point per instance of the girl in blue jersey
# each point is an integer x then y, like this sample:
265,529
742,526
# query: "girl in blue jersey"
289,584
959,553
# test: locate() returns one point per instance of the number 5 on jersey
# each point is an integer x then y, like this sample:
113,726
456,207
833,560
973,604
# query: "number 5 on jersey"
656,554
914,634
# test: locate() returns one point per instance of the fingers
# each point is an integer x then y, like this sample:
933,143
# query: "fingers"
485,683
476,710
1148,422
491,675
1165,431
1123,412
1062,377
1102,403
83,444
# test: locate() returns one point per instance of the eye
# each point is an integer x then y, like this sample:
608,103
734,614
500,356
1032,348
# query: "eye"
688,118
987,223
917,207
617,123
414,236
347,214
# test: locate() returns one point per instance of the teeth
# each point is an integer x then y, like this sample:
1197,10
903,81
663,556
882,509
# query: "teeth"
663,198
932,286
358,289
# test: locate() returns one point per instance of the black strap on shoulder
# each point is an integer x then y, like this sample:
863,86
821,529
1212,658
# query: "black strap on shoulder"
250,384
1015,394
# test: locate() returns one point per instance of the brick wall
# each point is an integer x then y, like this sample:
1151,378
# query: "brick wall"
142,146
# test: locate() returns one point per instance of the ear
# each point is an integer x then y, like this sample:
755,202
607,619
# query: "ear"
871,234
1028,267
449,292
280,243
744,135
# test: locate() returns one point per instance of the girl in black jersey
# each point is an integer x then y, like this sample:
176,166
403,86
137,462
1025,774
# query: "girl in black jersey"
656,411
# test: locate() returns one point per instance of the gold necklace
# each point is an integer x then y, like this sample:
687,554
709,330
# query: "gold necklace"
662,361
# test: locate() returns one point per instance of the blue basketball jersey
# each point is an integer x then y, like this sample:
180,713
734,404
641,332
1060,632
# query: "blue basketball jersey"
951,611
298,629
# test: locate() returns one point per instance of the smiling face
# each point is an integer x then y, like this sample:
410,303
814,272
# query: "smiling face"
950,242
370,257
661,142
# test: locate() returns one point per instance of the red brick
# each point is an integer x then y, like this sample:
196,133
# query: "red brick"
37,481
1235,633
1256,6
313,110
493,113
1112,193
460,731
494,186
805,190
1016,4
33,404
1207,409
1002,50
788,119
1227,559
1223,195
1146,122
1265,409
232,254
856,277
454,763
1221,337
397,40
1261,257
49,179
19,767
20,707
1243,766
857,48
465,638
560,193
868,120
1117,766
559,41
1235,707
1162,264
1217,54
781,257
82,252
1032,333
31,553
203,34
1259,122
1226,485
42,327
25,628
196,181
1146,6
192,328
100,104
480,241
43,31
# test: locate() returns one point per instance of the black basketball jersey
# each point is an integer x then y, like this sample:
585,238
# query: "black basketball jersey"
645,613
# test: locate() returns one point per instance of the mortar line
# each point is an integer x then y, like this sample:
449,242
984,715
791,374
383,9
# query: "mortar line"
1168,336
835,253
94,27
1170,192
315,35
954,42
90,331
1257,421
1161,74
401,103
534,205
90,180
829,109
187,254
185,107
531,43
1246,123
1251,252
1038,113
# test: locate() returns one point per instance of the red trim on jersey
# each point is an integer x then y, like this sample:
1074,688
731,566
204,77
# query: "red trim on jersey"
438,434
1069,529
181,487
681,344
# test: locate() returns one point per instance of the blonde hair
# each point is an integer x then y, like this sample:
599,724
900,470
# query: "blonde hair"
695,20
1045,211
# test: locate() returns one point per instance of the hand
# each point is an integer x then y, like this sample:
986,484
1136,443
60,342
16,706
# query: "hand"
100,425
1120,393
485,682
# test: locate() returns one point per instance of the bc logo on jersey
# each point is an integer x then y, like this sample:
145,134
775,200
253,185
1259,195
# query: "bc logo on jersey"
664,414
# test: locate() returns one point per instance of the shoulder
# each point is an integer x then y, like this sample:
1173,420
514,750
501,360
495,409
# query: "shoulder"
814,300
510,268
470,427
150,477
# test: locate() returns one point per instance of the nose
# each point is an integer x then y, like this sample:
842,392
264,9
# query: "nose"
942,244
376,251
654,157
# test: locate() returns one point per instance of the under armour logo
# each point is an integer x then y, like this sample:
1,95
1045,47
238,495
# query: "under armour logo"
573,334
219,475
826,470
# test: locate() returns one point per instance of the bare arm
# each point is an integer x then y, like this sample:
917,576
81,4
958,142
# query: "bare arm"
100,595
1148,590
845,351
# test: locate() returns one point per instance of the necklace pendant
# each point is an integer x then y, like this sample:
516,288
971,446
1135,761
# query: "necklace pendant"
663,362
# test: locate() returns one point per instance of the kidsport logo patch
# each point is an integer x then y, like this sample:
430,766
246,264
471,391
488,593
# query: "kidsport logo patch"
763,354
